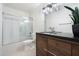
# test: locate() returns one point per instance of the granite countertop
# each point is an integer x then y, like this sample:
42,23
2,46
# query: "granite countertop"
66,36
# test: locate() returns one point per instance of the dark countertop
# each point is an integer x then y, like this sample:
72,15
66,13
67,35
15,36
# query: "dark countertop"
65,36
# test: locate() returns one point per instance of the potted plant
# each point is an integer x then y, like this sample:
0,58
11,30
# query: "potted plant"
75,17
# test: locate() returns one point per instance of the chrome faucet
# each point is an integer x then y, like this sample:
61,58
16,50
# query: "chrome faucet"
52,29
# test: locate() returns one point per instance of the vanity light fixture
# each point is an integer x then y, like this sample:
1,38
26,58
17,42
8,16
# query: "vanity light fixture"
47,9
53,7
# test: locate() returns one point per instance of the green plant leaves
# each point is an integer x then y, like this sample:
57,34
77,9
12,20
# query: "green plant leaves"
72,18
75,14
69,8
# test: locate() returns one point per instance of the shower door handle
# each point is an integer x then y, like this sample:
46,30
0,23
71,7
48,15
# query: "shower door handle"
30,33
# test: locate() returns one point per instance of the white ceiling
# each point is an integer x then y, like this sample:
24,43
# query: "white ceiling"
25,6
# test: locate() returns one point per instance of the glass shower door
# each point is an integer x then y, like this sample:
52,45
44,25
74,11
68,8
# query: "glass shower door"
16,29
26,28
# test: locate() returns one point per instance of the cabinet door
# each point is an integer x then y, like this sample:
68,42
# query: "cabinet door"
64,48
41,45
75,50
53,51
59,48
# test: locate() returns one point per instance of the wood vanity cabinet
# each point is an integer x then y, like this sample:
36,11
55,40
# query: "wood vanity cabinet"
53,46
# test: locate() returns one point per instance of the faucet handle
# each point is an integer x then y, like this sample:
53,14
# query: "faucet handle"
52,29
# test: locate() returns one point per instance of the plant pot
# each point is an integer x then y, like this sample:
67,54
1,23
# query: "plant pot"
75,29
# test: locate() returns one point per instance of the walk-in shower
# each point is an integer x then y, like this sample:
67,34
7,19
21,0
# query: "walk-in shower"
16,32
15,28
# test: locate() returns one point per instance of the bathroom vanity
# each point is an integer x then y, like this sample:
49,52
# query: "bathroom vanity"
59,44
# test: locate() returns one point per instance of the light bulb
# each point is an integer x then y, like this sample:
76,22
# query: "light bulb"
44,11
47,12
50,10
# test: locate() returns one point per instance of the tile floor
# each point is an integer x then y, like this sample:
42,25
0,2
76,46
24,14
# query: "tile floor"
20,49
